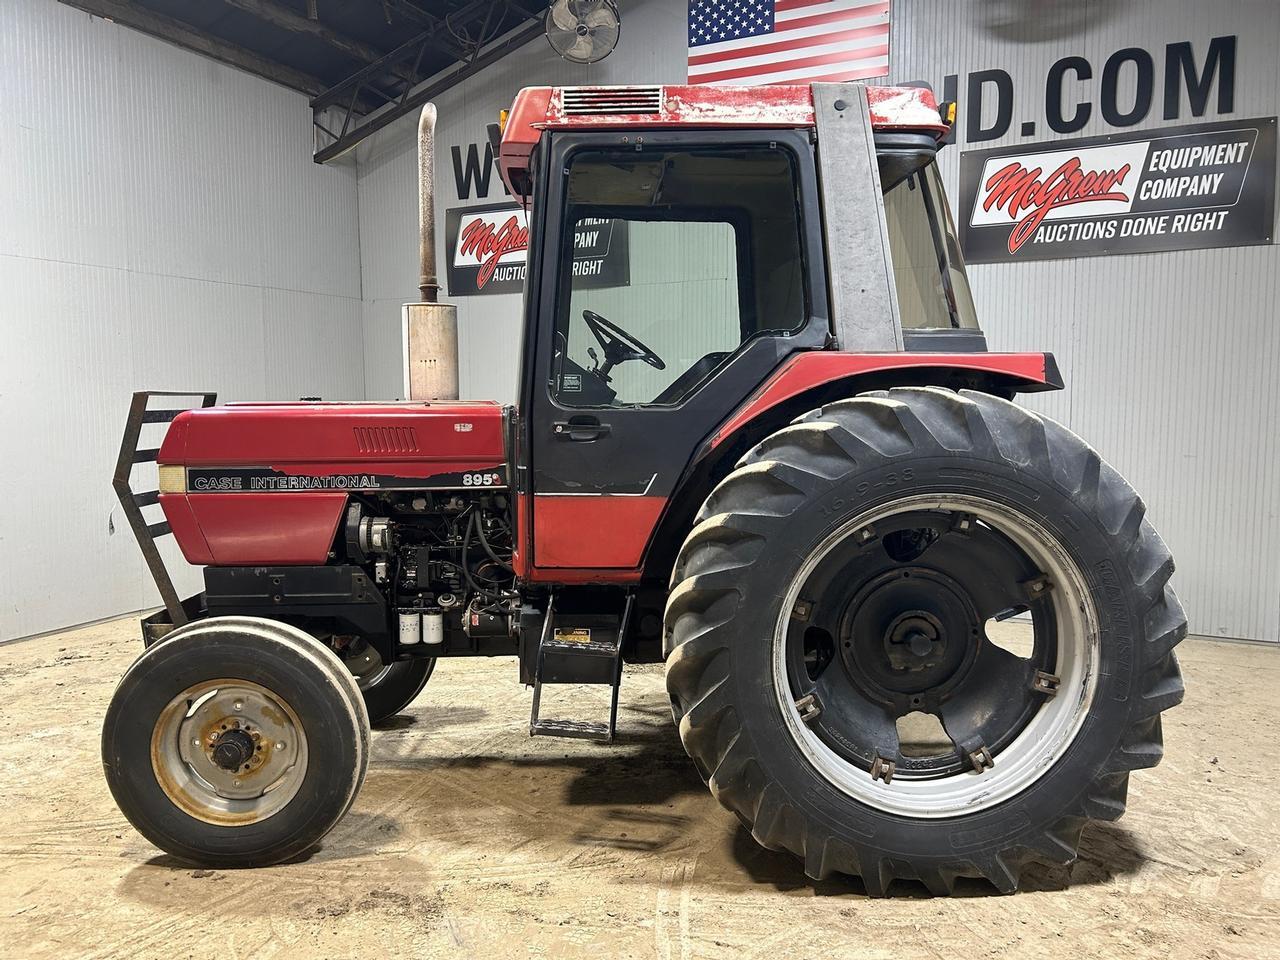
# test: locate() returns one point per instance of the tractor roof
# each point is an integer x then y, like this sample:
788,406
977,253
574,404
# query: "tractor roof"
673,107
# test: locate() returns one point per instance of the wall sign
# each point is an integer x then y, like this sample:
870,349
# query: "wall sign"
1190,77
488,250
1180,188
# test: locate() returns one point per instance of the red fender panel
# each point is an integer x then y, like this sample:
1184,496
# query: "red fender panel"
805,371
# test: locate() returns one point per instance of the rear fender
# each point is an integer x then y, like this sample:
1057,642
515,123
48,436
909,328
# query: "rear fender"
810,380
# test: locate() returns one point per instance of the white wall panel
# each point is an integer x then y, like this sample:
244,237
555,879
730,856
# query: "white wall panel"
162,226
184,333
308,221
383,350
57,167
324,329
61,411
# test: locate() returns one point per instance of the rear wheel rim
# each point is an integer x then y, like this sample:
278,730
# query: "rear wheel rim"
859,643
229,752
366,665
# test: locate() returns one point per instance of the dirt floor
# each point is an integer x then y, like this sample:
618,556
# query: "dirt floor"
470,839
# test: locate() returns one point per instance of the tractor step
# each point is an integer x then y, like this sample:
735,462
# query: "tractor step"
579,649
572,729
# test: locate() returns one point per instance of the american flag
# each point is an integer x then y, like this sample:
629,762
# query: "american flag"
787,41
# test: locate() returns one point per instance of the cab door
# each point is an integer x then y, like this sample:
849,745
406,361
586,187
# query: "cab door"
673,275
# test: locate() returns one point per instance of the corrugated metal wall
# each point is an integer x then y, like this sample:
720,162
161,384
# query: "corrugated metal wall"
1171,359
161,226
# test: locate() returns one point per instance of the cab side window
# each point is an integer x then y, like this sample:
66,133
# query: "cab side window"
713,252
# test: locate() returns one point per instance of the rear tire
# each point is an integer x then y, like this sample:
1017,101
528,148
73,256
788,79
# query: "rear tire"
1040,504
387,690
236,742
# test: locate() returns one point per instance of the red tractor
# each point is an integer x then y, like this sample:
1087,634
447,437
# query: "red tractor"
776,455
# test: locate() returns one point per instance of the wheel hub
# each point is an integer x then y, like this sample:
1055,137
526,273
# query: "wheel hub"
365,663
229,752
232,749
908,631
914,642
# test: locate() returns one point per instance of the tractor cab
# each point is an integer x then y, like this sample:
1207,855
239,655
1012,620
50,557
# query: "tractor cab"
717,203
675,167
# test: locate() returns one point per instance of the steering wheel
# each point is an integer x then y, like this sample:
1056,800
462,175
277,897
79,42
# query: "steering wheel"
618,345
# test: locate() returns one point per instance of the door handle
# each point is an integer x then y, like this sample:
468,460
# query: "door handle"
580,429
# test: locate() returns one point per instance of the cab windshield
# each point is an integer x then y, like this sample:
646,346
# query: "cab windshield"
933,290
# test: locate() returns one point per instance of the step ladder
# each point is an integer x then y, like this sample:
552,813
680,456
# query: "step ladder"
579,649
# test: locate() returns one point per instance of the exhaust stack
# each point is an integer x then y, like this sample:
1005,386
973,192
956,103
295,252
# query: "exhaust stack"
430,329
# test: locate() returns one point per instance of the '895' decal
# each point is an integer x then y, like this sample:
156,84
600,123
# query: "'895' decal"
481,479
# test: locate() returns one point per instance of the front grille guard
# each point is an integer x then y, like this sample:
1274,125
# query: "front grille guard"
132,503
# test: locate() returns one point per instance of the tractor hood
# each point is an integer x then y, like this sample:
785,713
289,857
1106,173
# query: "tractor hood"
267,483
408,444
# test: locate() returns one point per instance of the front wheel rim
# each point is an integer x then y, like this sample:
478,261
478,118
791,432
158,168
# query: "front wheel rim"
229,752
856,756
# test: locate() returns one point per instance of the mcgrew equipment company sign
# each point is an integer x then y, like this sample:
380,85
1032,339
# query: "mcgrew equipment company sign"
1207,185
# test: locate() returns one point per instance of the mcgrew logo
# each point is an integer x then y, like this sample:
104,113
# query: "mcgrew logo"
489,242
1015,188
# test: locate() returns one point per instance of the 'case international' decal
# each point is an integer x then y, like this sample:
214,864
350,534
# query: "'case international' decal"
266,480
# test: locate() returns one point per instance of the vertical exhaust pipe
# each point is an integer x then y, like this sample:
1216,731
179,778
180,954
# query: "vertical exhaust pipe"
430,328
428,287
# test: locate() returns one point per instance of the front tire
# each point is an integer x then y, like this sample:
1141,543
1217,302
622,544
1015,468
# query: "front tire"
236,742
844,575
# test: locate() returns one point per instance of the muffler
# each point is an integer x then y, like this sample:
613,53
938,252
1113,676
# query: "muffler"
430,329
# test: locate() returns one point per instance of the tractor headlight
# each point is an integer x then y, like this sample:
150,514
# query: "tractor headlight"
173,478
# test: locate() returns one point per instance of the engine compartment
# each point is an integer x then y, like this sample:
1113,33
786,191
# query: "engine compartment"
421,573
442,559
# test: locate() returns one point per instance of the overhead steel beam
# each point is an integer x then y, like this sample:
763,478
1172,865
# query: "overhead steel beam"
438,35
184,35
482,57
369,73
411,11
437,25
286,19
